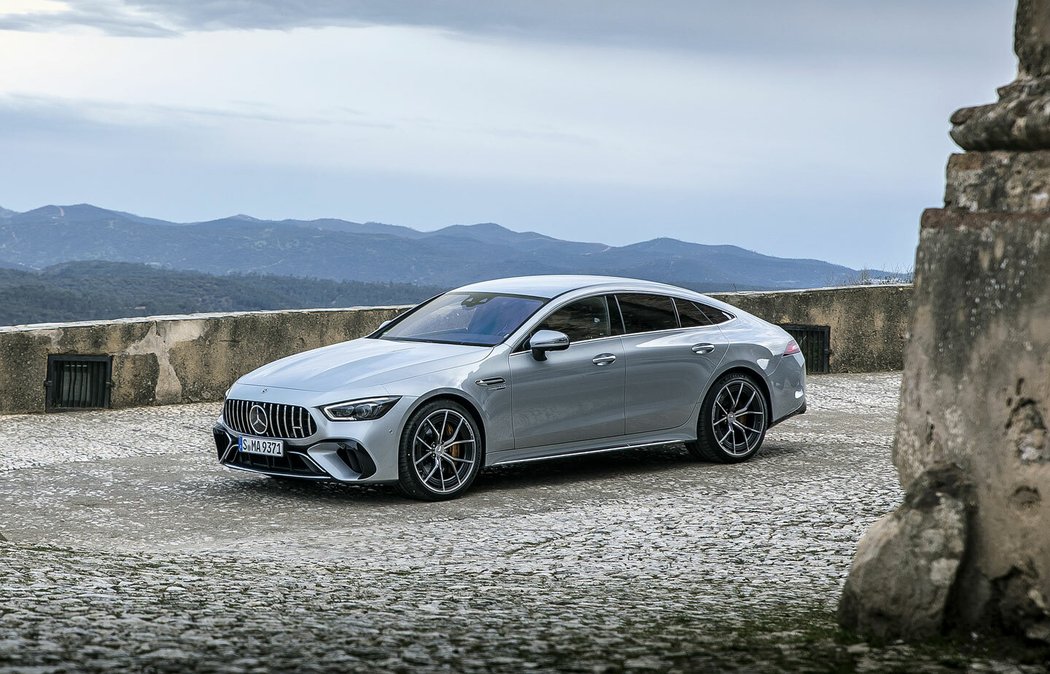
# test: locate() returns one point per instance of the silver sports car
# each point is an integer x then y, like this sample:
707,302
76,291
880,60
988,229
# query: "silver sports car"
512,370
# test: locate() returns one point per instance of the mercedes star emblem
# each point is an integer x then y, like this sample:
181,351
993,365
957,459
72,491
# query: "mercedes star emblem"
257,419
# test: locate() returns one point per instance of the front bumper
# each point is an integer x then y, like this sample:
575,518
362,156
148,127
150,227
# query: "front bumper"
345,451
343,460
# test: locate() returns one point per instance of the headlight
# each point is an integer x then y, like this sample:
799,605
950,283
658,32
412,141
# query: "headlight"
364,409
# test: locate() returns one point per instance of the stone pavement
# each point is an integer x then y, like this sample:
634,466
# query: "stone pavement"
129,548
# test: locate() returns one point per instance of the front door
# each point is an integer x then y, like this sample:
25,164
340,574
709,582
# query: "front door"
576,394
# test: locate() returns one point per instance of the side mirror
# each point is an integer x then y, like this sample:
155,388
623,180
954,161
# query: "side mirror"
385,323
547,340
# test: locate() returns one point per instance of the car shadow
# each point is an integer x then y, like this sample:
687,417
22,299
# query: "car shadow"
307,491
585,469
603,466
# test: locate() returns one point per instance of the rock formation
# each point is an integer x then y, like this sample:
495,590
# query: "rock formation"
969,550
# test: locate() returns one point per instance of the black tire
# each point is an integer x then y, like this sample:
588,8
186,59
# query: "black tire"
733,420
440,452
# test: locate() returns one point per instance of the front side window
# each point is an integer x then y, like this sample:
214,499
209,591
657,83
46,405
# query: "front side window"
646,313
478,319
584,319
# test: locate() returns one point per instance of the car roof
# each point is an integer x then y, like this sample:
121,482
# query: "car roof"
553,286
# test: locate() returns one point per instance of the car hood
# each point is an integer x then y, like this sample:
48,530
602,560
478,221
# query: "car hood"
361,362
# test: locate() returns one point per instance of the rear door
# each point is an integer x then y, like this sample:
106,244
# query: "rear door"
672,351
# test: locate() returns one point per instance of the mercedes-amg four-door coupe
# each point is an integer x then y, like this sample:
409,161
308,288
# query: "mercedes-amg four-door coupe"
513,370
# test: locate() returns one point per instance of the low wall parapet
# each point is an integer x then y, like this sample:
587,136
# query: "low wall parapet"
172,359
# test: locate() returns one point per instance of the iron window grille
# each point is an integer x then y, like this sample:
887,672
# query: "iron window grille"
815,344
78,382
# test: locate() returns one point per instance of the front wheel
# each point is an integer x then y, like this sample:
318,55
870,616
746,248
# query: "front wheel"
440,452
733,421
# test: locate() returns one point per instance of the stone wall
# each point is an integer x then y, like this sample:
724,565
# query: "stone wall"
172,359
163,360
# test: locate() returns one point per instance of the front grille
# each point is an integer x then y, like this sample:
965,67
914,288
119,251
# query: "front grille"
282,421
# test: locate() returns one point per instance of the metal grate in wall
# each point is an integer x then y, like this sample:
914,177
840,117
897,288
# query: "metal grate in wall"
78,382
815,343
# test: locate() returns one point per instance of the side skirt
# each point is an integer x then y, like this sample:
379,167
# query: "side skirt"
585,452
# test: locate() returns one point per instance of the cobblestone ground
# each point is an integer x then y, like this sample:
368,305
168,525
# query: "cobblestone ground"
128,548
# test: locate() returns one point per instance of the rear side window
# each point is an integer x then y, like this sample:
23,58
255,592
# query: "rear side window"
646,313
714,315
588,318
690,314
695,314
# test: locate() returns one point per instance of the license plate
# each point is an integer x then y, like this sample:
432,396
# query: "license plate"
263,446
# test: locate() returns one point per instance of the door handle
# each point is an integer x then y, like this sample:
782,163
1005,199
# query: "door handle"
703,348
603,359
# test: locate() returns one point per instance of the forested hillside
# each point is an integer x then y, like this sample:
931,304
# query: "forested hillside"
99,290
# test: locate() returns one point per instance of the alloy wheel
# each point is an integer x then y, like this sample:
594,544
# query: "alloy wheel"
444,451
738,418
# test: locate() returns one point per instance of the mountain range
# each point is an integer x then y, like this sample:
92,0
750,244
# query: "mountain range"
371,252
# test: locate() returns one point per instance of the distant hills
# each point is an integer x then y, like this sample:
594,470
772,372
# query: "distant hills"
340,250
78,291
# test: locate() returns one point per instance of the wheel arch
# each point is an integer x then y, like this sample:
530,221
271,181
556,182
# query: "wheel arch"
458,397
747,369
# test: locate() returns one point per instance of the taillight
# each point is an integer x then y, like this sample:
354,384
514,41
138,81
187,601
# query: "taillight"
792,347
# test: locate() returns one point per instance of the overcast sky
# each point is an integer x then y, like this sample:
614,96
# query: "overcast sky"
800,129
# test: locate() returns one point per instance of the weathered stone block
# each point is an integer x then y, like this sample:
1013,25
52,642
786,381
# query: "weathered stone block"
975,395
1014,123
1032,38
980,337
1005,182
1020,120
901,580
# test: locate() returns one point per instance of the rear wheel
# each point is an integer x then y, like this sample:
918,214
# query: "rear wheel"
440,452
733,421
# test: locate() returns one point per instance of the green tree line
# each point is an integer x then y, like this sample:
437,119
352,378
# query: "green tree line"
80,291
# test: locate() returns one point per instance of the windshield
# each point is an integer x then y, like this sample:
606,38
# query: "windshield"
477,319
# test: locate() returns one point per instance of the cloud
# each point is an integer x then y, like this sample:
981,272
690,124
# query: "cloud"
113,17
895,29
121,114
